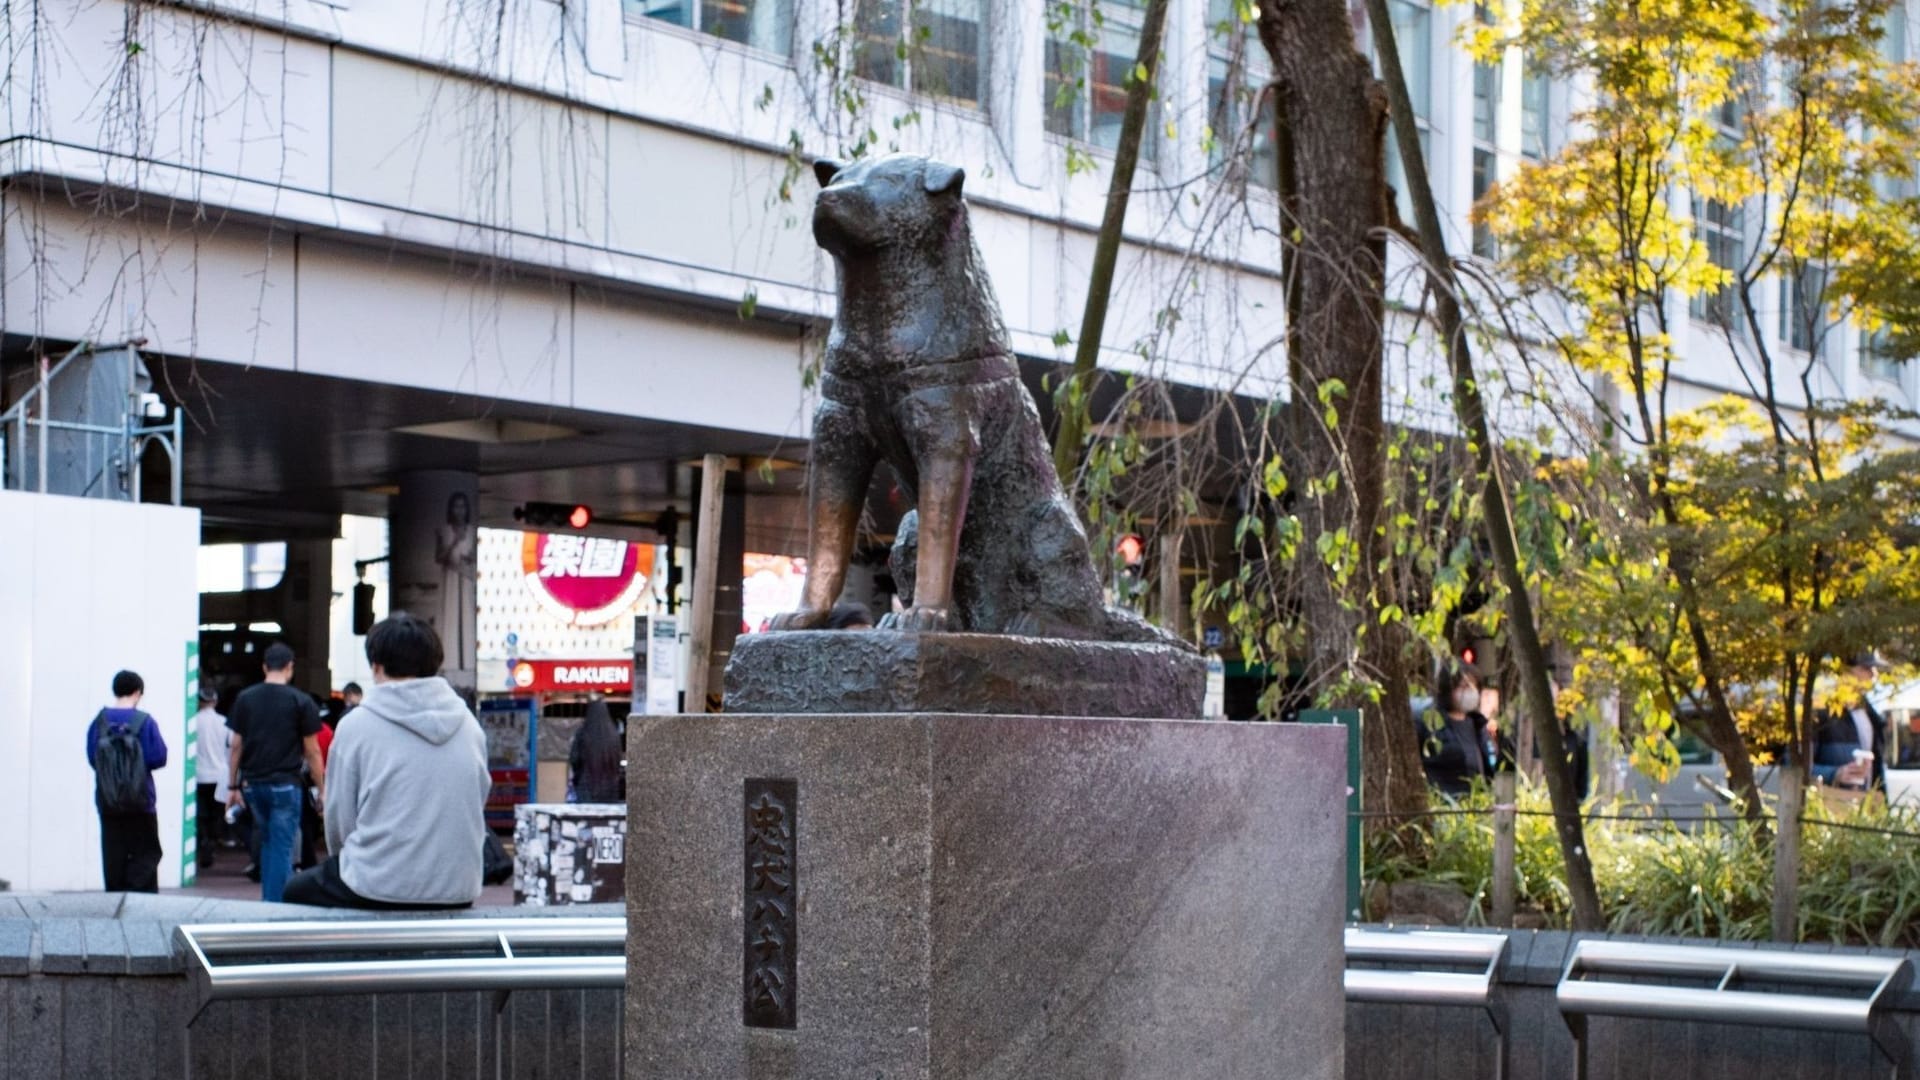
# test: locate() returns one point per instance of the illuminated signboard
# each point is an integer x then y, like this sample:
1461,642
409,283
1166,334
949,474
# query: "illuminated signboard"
554,676
585,580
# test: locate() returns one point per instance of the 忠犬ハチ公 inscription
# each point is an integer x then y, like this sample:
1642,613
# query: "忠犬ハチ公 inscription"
772,887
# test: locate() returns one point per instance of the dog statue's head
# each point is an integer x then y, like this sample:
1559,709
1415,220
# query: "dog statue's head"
900,199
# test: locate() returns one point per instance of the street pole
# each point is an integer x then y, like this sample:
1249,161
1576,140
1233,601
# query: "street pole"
706,580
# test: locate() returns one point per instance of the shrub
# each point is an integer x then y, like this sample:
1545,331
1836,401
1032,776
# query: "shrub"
1859,884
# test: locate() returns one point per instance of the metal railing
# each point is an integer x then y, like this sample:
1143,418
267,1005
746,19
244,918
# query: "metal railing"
1595,983
1431,968
122,446
347,956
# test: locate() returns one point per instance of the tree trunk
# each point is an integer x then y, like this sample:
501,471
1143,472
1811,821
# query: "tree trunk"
1331,120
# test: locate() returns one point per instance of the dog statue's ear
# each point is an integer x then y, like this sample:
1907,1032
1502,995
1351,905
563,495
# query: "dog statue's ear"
825,169
942,177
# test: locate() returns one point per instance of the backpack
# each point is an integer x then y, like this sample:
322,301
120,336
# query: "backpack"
120,774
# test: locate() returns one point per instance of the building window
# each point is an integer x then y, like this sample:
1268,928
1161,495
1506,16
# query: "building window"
1238,71
1090,51
1721,228
935,47
1878,358
1486,140
763,24
1802,309
1536,109
1413,35
1900,184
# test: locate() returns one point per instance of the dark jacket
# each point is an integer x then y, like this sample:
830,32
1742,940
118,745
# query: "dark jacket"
1835,740
594,761
1453,754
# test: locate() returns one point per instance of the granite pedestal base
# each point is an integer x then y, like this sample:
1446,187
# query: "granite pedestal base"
1003,674
985,898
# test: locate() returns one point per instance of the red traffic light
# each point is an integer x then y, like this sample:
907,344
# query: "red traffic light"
1130,549
545,515
1468,656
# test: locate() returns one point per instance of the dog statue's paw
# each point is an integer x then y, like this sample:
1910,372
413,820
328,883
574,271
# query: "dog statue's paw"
804,619
916,620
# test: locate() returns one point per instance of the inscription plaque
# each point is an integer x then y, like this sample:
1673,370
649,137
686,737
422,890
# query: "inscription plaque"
768,965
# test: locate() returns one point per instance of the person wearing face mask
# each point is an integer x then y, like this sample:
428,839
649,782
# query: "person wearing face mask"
1455,744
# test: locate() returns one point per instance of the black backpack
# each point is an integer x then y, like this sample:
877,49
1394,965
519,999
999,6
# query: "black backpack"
120,774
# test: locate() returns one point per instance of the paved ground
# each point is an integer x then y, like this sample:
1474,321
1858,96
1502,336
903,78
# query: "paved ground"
226,882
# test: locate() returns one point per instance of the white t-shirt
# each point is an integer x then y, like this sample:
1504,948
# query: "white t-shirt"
1863,729
211,740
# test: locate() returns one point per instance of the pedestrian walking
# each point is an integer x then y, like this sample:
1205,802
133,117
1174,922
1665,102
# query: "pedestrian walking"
275,730
1457,743
596,762
406,799
211,739
123,748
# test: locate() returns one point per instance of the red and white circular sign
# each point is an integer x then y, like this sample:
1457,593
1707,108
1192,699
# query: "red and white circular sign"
585,580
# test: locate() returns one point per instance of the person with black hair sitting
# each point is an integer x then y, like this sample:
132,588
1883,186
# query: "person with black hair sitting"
406,788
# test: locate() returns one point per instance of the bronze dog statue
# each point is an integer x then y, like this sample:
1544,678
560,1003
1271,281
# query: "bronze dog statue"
920,374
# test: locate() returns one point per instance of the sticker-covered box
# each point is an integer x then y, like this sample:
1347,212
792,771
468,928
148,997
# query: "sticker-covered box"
569,853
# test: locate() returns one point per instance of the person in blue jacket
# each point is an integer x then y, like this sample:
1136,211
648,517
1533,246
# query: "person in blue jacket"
130,832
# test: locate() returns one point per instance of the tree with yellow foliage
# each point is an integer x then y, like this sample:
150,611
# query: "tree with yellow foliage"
1731,152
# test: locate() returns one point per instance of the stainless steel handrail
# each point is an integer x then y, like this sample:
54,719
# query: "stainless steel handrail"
346,935
1876,977
311,958
1412,982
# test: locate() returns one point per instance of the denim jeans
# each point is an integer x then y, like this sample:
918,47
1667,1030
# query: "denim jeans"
276,811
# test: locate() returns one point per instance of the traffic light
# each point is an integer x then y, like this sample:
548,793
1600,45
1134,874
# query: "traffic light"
1131,555
546,515
362,608
1480,656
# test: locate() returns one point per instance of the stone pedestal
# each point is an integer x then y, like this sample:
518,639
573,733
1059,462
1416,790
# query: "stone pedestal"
873,671
983,897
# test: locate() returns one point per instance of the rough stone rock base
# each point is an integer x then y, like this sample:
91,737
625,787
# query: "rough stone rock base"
823,671
992,898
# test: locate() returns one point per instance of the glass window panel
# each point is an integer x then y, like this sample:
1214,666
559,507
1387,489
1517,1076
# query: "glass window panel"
1486,103
1801,321
945,54
1397,170
1877,358
1236,76
677,12
1066,70
1107,86
1535,102
1087,93
1484,165
879,47
1411,29
1720,227
763,24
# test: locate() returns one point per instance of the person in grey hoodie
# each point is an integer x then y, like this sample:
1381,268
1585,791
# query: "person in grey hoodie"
407,786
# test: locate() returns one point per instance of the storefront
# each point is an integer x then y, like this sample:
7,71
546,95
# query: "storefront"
556,622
